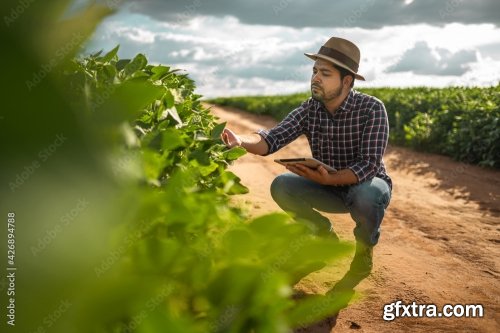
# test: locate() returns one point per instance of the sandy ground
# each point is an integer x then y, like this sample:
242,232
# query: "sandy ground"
440,239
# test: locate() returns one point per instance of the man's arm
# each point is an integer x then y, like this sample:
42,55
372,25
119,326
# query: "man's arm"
253,143
269,141
373,144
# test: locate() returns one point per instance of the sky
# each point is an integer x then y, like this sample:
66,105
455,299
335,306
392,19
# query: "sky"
242,47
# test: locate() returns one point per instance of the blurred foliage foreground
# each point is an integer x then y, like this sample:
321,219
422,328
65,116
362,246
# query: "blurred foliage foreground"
117,179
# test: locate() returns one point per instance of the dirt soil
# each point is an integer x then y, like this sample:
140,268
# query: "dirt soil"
440,240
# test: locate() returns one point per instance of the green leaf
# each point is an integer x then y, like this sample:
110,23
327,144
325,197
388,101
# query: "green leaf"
239,243
111,54
130,137
270,223
173,113
235,188
125,101
146,118
106,74
217,130
172,139
120,64
152,164
168,99
233,285
234,153
205,170
159,72
139,74
200,136
138,63
96,54
232,184
320,249
152,140
200,156
317,307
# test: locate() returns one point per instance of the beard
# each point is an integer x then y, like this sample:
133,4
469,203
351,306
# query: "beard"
319,94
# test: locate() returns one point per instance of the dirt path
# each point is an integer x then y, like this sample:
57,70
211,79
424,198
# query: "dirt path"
440,239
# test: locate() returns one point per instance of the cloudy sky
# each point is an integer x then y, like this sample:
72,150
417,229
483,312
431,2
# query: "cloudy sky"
242,47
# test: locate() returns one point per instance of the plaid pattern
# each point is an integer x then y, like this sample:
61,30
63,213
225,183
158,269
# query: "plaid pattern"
355,137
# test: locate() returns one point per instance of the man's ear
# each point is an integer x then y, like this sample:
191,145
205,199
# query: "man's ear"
346,82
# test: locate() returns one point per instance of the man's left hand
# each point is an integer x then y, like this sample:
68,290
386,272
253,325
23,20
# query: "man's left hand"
319,175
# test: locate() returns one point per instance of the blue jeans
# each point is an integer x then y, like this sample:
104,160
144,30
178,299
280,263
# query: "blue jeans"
366,202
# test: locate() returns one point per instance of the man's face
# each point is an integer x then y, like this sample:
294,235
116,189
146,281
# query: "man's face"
325,81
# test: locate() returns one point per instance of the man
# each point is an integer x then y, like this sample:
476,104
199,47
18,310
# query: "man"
346,130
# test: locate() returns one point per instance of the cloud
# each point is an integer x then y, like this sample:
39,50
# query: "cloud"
421,59
371,14
491,50
228,57
273,53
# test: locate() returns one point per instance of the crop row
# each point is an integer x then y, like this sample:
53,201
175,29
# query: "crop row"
460,122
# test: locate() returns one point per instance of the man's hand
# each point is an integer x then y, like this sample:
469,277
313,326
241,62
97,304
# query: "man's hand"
319,175
323,177
230,138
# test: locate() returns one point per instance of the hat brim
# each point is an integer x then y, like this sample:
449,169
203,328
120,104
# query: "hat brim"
315,56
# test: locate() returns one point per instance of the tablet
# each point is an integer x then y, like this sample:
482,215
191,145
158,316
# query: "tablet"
307,161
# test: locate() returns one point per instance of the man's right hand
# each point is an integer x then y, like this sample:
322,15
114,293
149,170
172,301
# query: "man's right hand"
230,138
253,143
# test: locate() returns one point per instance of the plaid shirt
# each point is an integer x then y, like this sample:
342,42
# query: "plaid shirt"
355,137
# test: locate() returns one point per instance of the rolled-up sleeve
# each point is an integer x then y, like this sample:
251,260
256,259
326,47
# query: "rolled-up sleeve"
287,130
373,144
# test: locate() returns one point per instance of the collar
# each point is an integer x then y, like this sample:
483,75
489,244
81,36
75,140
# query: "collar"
347,103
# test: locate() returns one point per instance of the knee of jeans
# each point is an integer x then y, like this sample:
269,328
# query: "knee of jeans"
278,186
369,197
